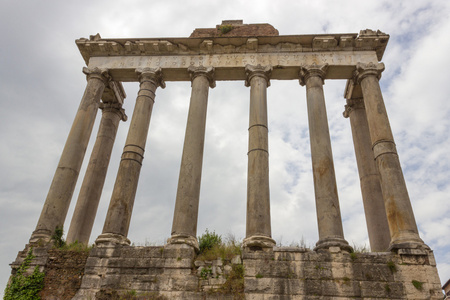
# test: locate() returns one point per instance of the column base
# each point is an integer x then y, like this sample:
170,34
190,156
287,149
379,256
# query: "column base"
259,241
337,241
111,239
41,236
184,239
407,240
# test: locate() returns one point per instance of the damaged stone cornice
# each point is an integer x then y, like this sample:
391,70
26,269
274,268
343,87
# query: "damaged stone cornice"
366,40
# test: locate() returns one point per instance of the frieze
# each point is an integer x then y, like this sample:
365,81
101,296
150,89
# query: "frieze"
230,66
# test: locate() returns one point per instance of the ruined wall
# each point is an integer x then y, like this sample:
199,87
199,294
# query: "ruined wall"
172,272
63,273
285,273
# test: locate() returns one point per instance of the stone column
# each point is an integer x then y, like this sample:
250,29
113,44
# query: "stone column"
258,231
60,194
377,225
331,233
184,226
402,224
115,229
91,189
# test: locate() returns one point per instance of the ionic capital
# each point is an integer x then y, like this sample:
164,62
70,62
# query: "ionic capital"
97,73
364,70
114,107
353,104
257,71
307,72
153,75
207,72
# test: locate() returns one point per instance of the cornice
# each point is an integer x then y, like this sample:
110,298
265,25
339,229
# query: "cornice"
366,40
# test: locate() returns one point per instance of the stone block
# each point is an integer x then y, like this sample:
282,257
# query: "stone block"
318,270
110,281
177,272
91,281
341,270
134,271
178,263
178,283
341,287
376,272
389,290
260,285
95,271
287,286
178,250
149,262
106,251
313,287
260,255
217,281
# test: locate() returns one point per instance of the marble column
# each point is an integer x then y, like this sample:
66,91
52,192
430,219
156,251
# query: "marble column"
258,230
184,226
402,224
91,189
377,225
329,220
60,193
115,229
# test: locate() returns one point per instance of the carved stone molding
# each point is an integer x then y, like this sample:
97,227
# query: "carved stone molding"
97,73
366,40
111,239
352,104
259,71
259,241
149,74
313,70
364,70
208,72
115,108
184,239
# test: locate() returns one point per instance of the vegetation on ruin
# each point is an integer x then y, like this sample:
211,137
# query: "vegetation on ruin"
391,266
23,285
57,237
60,243
224,29
417,284
360,248
234,283
212,247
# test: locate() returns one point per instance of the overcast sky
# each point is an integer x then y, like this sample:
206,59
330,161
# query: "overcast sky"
41,85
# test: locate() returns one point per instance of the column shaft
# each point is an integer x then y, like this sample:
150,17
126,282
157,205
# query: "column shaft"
115,229
258,230
91,189
60,193
377,225
327,202
184,227
402,224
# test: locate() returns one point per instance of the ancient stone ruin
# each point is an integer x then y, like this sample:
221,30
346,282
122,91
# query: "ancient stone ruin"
400,266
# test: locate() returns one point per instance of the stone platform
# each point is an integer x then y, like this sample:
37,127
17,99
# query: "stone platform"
171,272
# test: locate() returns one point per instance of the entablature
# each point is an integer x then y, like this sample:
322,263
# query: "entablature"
230,55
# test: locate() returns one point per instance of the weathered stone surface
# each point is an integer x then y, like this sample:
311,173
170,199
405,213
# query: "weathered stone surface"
184,226
236,28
